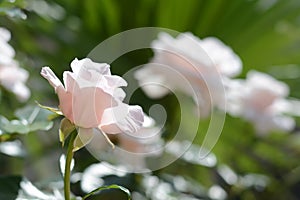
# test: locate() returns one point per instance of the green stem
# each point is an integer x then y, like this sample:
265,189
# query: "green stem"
67,187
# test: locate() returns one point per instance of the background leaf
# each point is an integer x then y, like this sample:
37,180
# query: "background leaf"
9,187
107,188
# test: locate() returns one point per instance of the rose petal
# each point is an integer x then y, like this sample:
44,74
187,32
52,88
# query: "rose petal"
89,104
227,62
65,104
12,74
65,98
288,106
21,91
257,80
122,118
4,34
6,53
119,94
69,81
80,66
115,81
153,83
48,74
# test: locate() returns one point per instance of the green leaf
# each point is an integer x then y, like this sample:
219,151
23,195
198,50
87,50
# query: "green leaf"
13,9
34,118
31,113
13,126
9,187
107,188
16,126
66,128
54,110
13,12
30,118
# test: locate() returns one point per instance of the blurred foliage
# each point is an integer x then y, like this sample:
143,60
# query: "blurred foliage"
9,187
13,9
264,33
30,119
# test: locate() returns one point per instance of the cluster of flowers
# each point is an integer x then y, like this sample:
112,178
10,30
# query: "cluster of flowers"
203,64
92,98
12,77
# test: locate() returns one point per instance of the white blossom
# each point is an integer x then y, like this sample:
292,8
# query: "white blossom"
12,76
192,66
132,149
260,99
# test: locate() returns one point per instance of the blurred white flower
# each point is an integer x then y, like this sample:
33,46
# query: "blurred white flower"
6,51
217,192
29,191
190,65
92,177
132,149
261,100
12,77
143,141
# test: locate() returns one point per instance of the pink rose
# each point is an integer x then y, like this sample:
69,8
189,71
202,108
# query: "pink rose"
261,99
92,98
192,66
